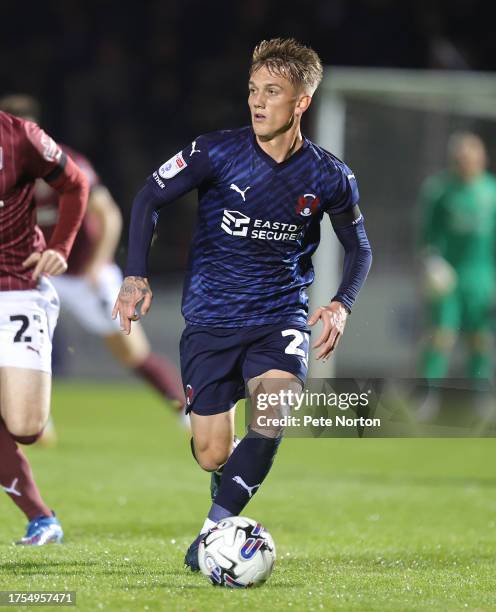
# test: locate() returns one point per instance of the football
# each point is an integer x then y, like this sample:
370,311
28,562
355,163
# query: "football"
237,553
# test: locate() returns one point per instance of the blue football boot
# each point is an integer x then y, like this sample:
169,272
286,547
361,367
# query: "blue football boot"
42,530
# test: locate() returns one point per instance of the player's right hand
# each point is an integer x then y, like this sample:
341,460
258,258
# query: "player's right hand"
135,294
48,262
440,277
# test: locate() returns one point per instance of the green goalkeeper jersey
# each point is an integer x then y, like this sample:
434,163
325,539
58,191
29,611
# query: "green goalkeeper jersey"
459,223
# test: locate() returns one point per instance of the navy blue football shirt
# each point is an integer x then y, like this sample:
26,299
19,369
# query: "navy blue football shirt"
258,226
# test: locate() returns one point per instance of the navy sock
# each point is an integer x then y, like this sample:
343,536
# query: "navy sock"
243,473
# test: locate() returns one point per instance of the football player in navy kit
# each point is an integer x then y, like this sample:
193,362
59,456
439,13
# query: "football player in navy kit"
262,191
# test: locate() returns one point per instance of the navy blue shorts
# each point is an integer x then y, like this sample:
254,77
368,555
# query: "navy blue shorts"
217,362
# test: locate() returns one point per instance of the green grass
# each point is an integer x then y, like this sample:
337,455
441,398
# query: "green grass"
378,524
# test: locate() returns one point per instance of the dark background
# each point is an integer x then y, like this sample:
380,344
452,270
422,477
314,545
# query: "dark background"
128,84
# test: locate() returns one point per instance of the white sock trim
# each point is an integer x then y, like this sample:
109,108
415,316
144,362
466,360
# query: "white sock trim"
207,526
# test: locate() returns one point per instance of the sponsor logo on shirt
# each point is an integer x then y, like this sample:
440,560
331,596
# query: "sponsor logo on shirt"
172,167
236,223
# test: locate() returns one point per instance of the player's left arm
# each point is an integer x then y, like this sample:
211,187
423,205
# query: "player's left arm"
348,224
46,160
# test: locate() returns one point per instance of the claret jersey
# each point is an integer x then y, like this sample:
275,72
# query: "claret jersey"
258,226
26,152
47,214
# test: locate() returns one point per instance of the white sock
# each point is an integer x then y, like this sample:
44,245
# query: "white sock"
207,526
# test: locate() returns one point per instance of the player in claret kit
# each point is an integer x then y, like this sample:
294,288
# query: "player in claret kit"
263,191
29,304
92,280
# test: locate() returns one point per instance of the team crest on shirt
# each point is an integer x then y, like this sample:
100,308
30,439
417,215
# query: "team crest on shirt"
307,205
173,166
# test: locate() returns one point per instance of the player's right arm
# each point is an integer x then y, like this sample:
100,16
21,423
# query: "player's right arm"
45,159
179,175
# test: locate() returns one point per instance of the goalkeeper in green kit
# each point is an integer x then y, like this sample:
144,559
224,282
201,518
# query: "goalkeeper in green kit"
459,255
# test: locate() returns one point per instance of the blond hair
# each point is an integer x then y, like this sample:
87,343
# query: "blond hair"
290,59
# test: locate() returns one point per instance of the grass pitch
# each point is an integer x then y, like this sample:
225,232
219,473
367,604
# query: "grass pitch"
375,524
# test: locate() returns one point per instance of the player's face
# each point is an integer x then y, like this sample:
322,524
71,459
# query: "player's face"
469,158
275,103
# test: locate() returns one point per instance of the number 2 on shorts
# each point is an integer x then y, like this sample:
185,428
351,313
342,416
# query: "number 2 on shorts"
24,321
293,347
